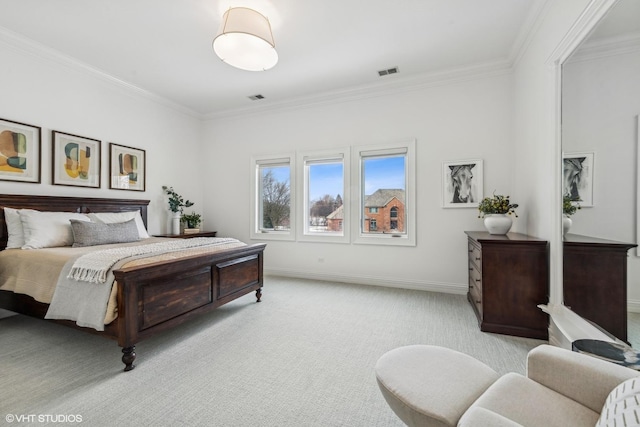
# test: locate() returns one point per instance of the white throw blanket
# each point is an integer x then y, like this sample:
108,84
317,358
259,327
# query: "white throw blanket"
86,303
93,267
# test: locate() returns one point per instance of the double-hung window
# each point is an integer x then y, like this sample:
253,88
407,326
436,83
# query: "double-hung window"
325,206
386,200
273,202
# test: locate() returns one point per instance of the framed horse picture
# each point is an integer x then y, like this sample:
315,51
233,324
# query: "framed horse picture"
462,184
577,178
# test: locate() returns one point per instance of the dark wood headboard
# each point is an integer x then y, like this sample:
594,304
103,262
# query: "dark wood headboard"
66,204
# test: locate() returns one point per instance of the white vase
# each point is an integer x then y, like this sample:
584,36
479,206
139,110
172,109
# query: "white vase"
498,223
566,224
175,223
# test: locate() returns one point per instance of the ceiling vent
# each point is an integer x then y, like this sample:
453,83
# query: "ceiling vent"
256,97
388,71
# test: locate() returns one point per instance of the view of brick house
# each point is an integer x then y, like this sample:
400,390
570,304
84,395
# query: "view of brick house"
384,213
335,218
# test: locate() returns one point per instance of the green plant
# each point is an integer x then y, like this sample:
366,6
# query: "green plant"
498,204
568,208
193,220
176,202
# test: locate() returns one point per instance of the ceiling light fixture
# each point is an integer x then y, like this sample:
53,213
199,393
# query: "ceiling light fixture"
245,40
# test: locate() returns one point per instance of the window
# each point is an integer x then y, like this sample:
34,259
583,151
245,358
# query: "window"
325,181
386,210
273,189
379,208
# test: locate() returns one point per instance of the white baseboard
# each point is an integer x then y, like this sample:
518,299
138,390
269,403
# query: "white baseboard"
449,288
633,306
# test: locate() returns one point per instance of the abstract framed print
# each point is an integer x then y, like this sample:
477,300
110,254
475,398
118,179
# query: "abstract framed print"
127,168
75,160
462,184
20,152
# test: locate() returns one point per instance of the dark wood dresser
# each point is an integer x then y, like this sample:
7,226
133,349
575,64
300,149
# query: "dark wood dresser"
508,279
595,281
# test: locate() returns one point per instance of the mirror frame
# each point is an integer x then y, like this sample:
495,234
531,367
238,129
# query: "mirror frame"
565,321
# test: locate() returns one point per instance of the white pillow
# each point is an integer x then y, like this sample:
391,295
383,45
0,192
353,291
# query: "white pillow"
622,407
15,233
48,229
114,217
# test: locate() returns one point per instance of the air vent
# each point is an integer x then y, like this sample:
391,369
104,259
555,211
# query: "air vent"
256,97
388,71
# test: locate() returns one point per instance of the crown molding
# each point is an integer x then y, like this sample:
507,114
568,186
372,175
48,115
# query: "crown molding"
33,49
604,48
529,29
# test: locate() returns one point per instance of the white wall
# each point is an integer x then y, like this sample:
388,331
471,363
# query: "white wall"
467,120
48,91
601,99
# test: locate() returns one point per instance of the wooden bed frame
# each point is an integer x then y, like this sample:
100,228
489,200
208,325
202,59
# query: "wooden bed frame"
154,297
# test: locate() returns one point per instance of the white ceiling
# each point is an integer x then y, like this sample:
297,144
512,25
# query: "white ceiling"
325,46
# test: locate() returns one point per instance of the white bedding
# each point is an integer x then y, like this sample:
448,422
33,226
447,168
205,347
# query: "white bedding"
35,273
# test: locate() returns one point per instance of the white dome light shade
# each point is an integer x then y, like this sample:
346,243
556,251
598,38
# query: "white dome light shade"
245,40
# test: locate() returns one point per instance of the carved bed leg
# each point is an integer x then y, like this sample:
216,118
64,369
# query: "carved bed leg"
258,294
128,356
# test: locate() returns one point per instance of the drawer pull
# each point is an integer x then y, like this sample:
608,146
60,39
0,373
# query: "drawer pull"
470,269
470,251
470,286
477,258
477,301
478,280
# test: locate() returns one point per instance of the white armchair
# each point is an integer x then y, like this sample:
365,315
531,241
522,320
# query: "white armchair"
435,386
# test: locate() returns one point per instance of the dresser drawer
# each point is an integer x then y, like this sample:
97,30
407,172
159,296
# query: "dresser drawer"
475,279
476,299
475,256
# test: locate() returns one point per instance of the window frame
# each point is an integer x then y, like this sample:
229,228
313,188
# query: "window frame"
408,238
304,159
256,232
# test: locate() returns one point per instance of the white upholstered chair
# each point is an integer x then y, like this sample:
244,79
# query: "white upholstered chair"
435,386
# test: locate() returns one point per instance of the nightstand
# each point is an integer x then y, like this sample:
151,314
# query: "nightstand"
188,235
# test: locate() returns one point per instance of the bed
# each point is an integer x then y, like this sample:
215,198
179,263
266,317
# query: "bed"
152,297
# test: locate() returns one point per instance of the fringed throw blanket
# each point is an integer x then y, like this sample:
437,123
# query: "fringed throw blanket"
85,301
93,267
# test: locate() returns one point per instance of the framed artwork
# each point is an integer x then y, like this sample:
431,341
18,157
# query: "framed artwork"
577,177
20,152
75,160
462,184
127,168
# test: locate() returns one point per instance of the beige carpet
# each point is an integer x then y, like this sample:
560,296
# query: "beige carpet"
304,356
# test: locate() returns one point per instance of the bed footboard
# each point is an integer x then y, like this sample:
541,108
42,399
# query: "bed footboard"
158,296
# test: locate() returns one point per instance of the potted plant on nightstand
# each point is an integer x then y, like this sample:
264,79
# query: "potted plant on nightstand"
192,222
495,211
176,205
569,207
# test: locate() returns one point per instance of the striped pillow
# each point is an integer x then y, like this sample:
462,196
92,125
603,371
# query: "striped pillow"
622,407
